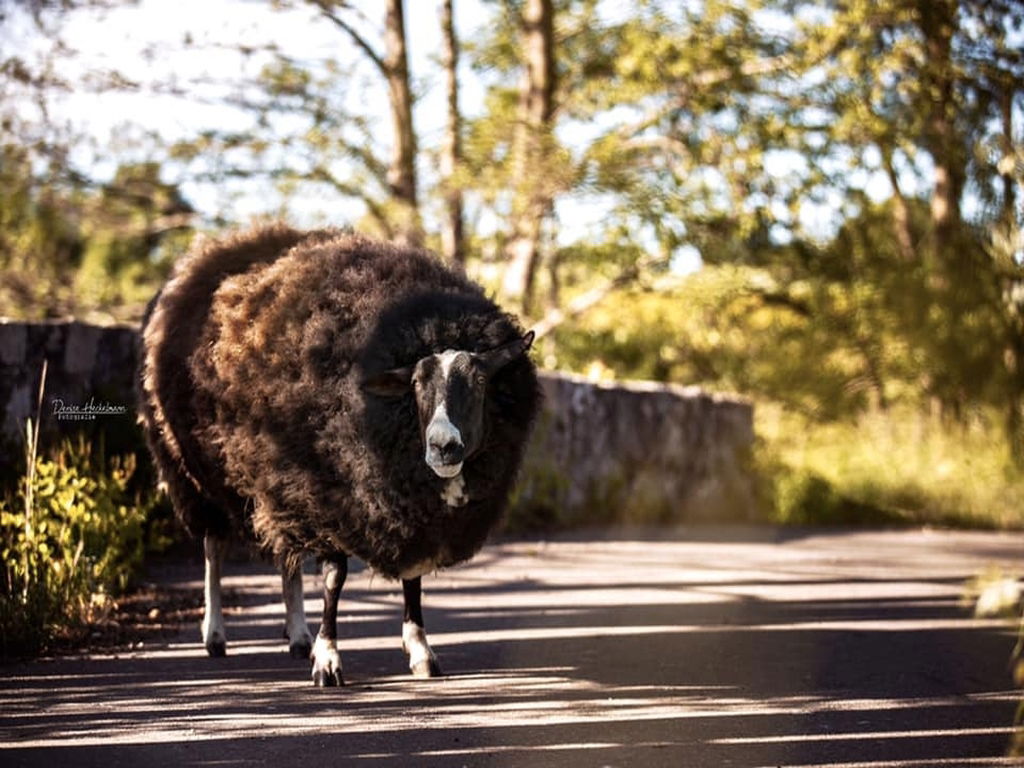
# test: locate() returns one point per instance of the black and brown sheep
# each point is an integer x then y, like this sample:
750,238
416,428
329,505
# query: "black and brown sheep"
335,396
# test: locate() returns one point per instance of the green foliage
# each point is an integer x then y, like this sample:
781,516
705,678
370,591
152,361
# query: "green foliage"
96,253
134,228
38,244
897,467
71,538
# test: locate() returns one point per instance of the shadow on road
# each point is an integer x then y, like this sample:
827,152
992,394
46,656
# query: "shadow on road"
826,651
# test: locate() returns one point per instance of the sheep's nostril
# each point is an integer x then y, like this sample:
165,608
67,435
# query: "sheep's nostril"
451,452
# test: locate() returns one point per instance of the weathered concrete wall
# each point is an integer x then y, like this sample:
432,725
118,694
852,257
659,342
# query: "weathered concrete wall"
639,452
636,451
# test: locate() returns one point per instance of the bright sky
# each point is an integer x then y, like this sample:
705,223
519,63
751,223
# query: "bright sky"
147,42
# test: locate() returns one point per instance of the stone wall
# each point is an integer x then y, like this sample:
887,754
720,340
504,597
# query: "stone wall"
89,384
638,452
631,451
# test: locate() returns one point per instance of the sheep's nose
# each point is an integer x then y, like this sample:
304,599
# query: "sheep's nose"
449,451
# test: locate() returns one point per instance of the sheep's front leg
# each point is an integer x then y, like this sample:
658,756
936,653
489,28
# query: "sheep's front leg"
326,659
296,629
422,661
214,636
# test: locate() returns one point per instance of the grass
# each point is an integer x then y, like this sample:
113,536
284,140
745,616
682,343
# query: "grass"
891,467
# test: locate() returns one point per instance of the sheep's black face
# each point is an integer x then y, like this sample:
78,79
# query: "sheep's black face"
450,390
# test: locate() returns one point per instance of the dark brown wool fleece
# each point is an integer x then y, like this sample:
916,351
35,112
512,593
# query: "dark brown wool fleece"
254,352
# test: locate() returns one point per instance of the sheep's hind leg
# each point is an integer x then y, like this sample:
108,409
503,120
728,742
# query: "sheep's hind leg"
214,635
296,629
422,661
326,659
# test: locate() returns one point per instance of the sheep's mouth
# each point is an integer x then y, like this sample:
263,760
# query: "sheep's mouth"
446,471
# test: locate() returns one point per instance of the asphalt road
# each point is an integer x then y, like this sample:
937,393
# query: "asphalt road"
690,648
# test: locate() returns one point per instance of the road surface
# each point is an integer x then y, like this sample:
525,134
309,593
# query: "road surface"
686,648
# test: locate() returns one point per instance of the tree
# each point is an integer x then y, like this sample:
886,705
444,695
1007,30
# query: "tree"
394,68
531,148
453,246
931,88
96,251
73,242
660,83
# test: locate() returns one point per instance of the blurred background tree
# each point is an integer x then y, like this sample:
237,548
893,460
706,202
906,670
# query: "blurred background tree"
815,204
71,241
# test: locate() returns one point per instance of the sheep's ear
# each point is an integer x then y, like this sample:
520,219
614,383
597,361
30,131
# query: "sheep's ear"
496,359
393,383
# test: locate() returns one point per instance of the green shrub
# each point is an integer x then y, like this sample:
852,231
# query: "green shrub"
803,496
70,538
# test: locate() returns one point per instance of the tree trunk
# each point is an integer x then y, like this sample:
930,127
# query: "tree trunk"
954,278
531,199
1015,398
937,22
900,212
1006,95
403,218
1013,355
402,168
452,237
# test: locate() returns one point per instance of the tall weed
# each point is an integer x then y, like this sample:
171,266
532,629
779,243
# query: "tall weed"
72,537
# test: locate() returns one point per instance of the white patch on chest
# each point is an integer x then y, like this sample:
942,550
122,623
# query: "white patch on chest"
454,492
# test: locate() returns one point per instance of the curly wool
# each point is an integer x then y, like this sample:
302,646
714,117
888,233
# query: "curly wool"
254,352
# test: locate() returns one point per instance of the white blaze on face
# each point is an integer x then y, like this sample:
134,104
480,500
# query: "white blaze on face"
440,429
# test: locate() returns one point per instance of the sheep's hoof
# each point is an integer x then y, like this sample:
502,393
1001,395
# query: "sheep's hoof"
302,646
217,648
326,664
300,650
426,668
328,678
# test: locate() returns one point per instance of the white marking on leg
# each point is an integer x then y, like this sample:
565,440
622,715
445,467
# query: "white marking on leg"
299,636
325,657
331,577
415,645
214,634
454,493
